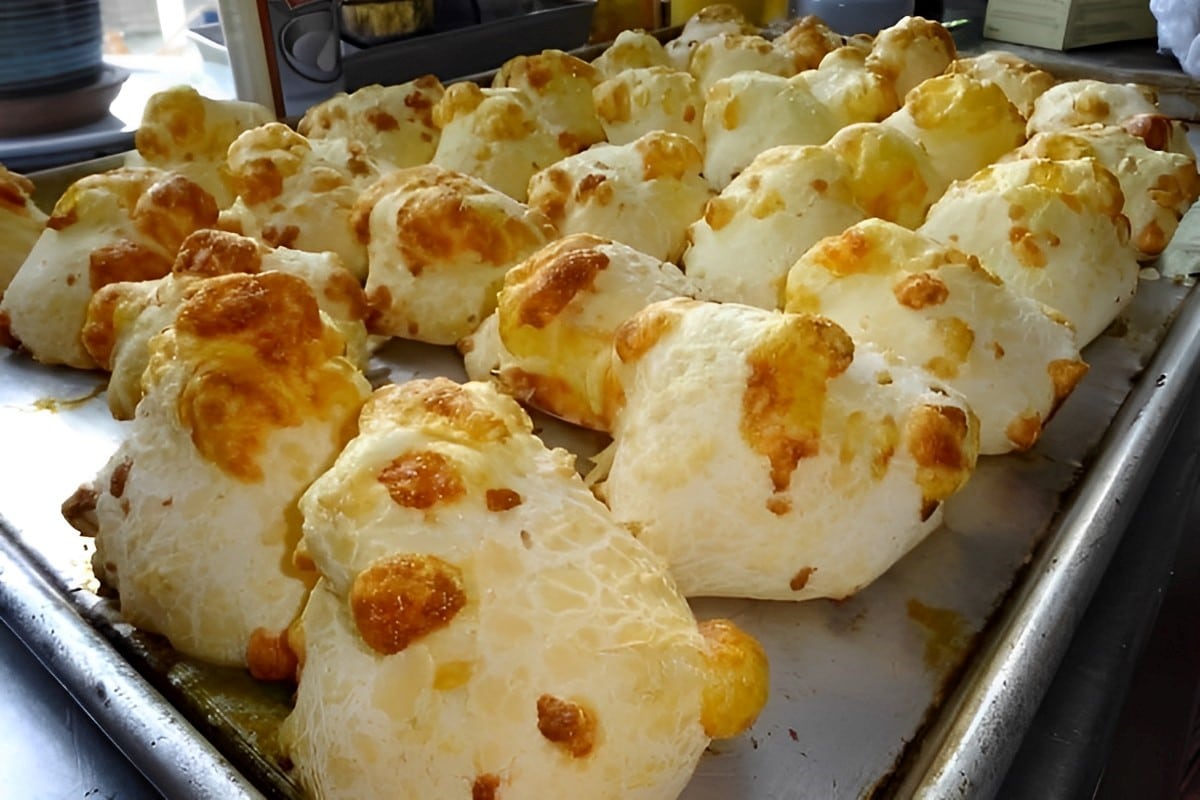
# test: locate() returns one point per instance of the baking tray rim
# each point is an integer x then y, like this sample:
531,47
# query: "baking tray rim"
975,735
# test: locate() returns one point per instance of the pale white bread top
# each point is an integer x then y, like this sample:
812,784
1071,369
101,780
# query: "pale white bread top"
751,112
890,175
21,223
911,51
1086,101
439,243
727,54
765,455
196,510
705,24
851,91
963,123
299,193
1013,360
394,123
121,225
557,315
750,235
644,194
632,49
185,132
807,41
559,85
1052,230
1020,80
540,645
1132,106
495,135
637,101
123,317
1159,186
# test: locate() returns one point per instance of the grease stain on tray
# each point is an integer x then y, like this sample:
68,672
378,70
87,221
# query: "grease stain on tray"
947,634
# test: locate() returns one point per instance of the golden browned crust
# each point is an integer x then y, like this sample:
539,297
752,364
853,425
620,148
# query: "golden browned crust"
733,700
269,657
422,480
784,402
570,725
261,349
399,599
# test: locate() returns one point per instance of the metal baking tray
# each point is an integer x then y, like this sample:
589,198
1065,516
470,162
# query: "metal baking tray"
922,684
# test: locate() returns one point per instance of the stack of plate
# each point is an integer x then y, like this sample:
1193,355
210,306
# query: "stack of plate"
48,46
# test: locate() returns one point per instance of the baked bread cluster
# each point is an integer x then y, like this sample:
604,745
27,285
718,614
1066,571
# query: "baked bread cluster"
797,284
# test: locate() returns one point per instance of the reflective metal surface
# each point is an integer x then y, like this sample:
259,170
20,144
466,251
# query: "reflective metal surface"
853,682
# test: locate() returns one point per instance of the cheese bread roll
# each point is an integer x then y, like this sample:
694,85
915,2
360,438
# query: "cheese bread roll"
1013,360
707,23
558,312
495,135
752,232
439,243
890,176
560,88
299,193
247,400
638,101
1052,230
632,49
484,629
852,92
751,112
123,317
911,51
1159,186
807,41
1086,102
183,131
122,225
1022,82
21,223
728,54
963,123
644,194
394,123
765,455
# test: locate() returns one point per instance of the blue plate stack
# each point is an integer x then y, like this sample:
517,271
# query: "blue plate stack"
49,46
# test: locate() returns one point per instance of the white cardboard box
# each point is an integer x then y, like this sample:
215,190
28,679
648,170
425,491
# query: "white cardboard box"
1066,24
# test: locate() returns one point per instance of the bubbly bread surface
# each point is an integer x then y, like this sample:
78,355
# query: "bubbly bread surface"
185,132
635,102
558,313
121,225
299,193
750,112
1052,230
755,229
123,317
482,628
247,400
496,135
21,223
439,243
806,464
1022,82
394,123
1013,360
963,123
1159,186
644,194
